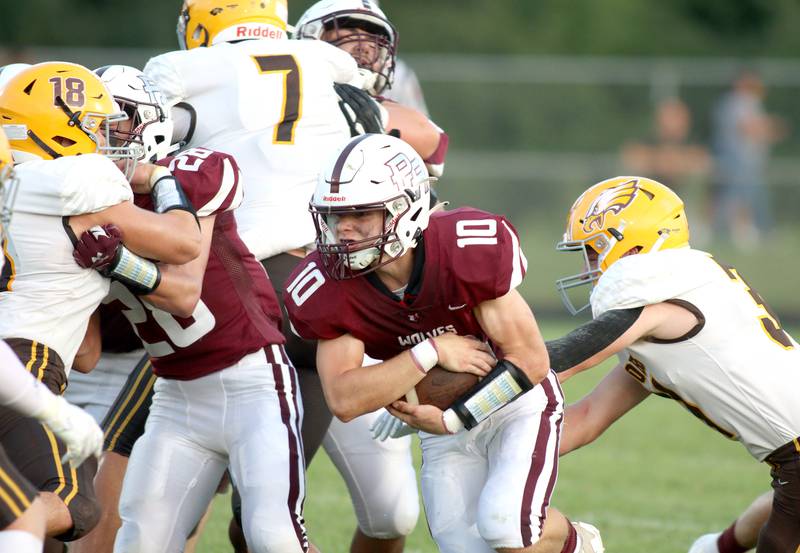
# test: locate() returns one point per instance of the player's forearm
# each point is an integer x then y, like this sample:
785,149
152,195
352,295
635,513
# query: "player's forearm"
362,390
173,238
177,293
592,342
180,287
577,430
416,129
533,362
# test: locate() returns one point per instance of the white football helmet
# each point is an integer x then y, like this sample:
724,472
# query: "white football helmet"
7,72
151,126
372,172
376,61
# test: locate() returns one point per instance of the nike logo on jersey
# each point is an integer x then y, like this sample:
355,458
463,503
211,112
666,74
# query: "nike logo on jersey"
456,307
782,482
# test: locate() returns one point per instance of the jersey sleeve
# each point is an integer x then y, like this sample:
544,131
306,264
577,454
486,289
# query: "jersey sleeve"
650,278
487,260
211,180
92,183
163,70
341,65
312,302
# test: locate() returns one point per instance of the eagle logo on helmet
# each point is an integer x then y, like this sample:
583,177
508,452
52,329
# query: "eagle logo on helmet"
613,200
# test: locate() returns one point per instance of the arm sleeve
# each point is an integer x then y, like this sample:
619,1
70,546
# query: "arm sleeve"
591,338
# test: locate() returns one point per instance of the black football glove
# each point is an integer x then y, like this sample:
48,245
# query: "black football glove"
359,109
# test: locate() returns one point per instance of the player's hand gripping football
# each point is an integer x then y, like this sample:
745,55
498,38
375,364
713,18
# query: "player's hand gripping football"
427,418
464,354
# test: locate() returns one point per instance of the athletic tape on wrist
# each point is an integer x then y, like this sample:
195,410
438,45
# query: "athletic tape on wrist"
451,421
137,272
425,355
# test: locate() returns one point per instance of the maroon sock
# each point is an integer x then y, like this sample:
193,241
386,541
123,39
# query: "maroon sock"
572,539
726,543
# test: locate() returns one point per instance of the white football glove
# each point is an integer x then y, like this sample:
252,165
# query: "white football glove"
389,426
73,426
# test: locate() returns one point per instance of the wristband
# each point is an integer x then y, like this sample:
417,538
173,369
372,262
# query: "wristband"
424,355
140,274
505,383
451,422
167,193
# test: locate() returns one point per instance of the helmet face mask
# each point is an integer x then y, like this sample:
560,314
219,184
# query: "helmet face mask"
360,28
615,218
148,129
372,173
345,259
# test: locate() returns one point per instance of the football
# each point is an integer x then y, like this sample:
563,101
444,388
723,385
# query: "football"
441,388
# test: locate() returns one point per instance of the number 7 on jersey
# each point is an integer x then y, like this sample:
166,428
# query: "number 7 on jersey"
292,81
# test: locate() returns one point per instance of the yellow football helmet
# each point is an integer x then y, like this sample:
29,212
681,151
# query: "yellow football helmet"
8,184
207,22
56,109
614,217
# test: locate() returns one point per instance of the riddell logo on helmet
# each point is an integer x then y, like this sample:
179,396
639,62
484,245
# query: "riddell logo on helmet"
264,31
334,198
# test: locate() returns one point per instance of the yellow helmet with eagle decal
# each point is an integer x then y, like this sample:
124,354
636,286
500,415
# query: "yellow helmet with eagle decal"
619,216
55,109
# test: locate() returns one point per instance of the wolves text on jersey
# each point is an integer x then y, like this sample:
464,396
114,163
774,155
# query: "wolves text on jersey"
417,337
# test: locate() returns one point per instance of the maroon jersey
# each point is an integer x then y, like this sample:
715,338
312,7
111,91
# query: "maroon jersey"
238,311
471,256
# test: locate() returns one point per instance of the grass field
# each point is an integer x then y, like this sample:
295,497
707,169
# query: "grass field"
652,483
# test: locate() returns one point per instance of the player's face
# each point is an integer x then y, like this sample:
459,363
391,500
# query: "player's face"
360,44
356,226
591,260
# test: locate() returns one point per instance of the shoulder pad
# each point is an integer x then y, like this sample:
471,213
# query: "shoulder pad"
71,185
209,179
312,301
645,279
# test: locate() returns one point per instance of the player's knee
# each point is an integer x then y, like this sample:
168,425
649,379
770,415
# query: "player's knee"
85,513
500,527
274,540
393,520
130,539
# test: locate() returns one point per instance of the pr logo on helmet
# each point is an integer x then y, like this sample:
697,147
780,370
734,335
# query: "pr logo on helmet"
404,170
613,200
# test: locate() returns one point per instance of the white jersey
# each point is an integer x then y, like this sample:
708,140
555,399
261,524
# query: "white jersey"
44,295
737,370
270,104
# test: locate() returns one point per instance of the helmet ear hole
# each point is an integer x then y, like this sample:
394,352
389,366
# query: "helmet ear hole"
63,141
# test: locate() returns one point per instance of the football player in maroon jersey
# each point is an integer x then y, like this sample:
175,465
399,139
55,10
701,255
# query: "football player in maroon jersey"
226,392
416,290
